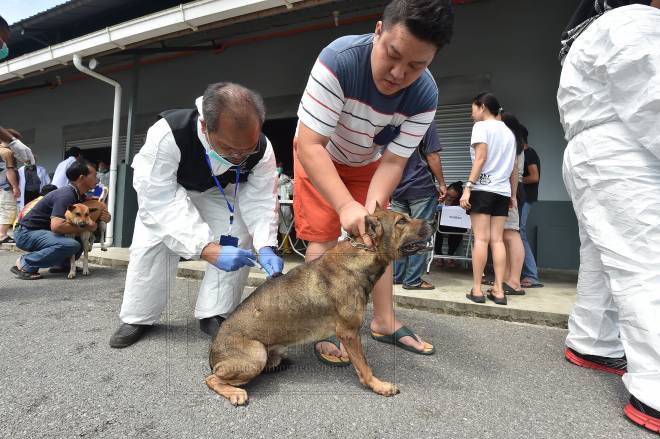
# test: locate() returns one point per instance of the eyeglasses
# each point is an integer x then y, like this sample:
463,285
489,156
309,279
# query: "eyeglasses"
235,154
229,152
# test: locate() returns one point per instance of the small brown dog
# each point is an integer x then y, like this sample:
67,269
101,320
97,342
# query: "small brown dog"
311,302
83,215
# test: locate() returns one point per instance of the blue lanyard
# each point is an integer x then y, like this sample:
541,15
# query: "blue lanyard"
237,171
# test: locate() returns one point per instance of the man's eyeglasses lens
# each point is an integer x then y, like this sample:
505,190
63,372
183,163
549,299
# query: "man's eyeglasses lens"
237,155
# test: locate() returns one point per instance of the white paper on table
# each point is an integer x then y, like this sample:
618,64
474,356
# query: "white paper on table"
455,216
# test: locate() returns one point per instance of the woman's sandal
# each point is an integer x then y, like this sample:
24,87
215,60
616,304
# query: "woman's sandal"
529,284
25,275
497,300
475,299
510,291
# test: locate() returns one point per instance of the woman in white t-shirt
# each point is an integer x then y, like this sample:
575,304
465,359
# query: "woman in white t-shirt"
487,193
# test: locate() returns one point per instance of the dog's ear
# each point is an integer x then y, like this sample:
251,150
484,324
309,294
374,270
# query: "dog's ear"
71,207
373,227
379,208
93,209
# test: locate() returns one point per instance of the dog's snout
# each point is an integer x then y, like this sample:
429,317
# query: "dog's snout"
83,223
425,231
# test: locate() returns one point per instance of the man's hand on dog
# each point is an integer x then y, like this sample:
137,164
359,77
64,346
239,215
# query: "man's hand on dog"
105,216
351,217
228,258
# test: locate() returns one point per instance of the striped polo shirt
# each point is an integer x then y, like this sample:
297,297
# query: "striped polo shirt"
341,102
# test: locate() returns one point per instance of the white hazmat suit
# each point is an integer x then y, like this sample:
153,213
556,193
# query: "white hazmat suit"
172,222
609,102
59,177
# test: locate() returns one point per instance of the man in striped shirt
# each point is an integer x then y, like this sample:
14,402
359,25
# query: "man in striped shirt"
367,105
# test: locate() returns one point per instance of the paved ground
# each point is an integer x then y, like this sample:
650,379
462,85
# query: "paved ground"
549,306
489,379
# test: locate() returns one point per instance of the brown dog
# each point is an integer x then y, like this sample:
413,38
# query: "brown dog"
83,215
312,302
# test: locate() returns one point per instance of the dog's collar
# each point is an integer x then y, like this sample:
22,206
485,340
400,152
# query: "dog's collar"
360,245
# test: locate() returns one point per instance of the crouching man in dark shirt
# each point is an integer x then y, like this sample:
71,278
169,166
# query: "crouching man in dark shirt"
41,230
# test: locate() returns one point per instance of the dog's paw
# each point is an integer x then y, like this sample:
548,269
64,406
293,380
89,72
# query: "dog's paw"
71,275
85,272
386,389
238,397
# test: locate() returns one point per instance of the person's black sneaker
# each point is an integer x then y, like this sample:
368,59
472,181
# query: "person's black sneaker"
127,334
643,415
211,325
617,366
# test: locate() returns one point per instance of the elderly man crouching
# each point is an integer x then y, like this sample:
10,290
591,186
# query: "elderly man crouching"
206,183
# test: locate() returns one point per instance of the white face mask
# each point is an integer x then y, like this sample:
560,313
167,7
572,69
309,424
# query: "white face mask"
214,155
217,157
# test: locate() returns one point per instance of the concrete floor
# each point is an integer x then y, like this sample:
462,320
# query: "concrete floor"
488,378
549,306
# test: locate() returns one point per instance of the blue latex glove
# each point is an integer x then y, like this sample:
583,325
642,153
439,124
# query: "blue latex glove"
233,258
270,261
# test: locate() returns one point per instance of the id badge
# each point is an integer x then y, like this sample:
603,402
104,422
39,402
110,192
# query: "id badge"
228,240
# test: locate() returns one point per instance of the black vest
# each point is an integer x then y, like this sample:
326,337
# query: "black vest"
194,173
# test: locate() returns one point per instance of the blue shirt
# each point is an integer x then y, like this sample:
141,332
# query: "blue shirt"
417,180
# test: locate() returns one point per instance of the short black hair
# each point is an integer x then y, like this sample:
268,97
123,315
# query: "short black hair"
4,26
428,20
232,100
47,188
74,151
78,168
457,186
524,132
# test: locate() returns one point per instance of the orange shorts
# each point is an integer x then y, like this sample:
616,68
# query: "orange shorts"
314,218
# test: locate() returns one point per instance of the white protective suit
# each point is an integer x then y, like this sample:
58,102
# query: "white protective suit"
173,222
43,178
609,102
59,177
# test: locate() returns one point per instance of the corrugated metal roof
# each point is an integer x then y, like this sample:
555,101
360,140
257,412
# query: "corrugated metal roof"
46,12
76,18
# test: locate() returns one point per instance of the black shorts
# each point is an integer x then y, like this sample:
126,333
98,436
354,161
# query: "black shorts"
489,203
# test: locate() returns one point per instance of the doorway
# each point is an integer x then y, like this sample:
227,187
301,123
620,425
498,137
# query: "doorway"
280,133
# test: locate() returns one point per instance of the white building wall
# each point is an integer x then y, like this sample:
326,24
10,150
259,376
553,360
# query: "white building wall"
512,42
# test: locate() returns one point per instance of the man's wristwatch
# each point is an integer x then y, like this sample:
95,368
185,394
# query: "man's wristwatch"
469,185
